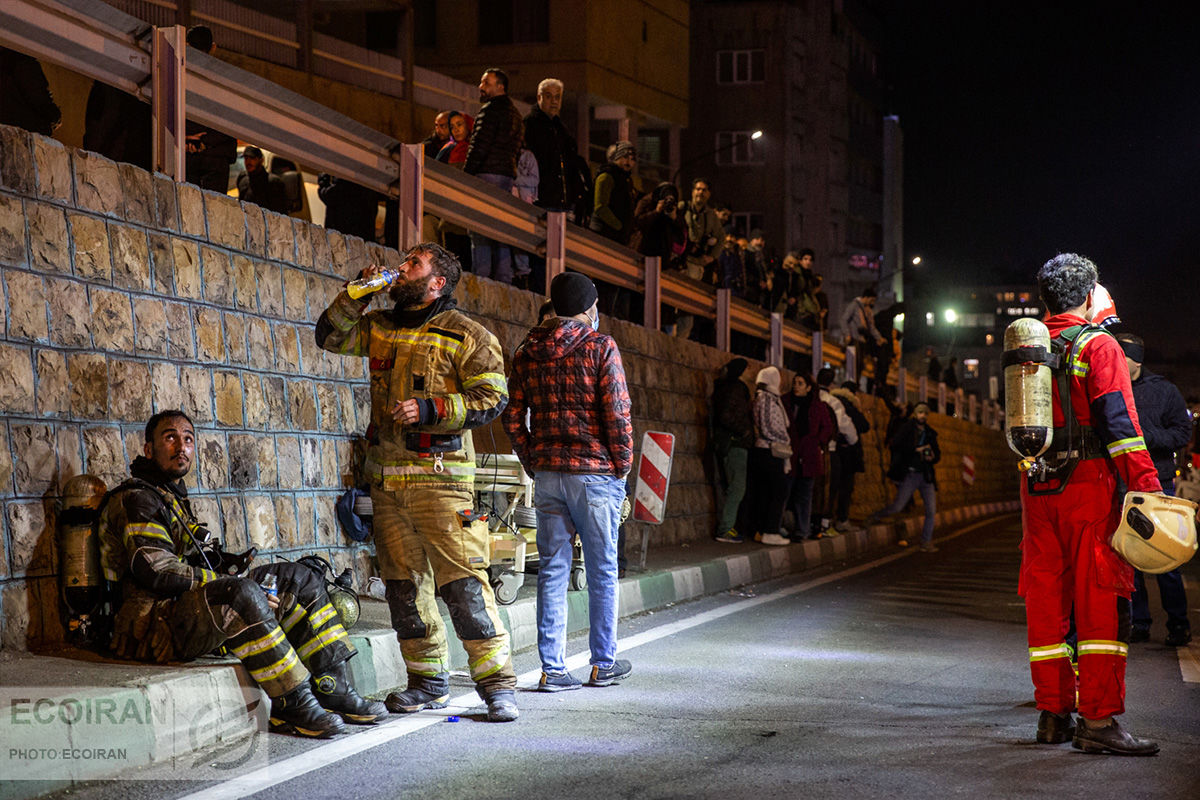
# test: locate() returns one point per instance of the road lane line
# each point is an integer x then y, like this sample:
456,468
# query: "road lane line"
343,747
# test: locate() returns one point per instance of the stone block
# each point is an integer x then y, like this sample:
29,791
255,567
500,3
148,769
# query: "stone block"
150,326
207,509
35,465
98,184
256,229
331,469
218,276
310,462
165,386
17,160
328,533
212,461
256,406
12,232
281,241
285,520
26,306
295,293
53,387
305,522
191,210
321,291
268,465
162,264
49,244
336,264
348,422
130,257
140,201
260,353
260,522
329,415
275,395
186,257
270,288
6,485
244,288
233,521
129,385
69,445
88,373
210,338
287,348
31,537
362,408
180,337
228,390
243,461
322,255
287,450
197,393
70,313
226,222
104,454
112,320
235,337
302,404
356,257
312,361
89,238
53,170
166,200
301,230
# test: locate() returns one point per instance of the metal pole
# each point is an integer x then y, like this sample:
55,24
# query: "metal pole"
818,351
556,245
923,389
169,106
652,313
410,194
776,354
902,386
724,297
851,362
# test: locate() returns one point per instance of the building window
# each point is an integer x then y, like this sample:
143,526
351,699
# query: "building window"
745,222
736,147
514,22
740,66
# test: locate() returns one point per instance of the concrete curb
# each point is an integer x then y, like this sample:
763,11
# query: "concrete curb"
168,714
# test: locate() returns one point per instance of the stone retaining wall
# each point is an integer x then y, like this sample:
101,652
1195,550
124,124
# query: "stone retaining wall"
125,293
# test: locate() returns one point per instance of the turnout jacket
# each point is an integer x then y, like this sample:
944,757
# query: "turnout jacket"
451,364
571,379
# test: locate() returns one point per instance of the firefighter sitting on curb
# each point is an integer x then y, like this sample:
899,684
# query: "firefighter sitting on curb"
169,609
435,374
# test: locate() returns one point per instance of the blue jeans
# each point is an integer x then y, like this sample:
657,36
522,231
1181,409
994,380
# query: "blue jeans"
483,249
568,503
915,482
800,497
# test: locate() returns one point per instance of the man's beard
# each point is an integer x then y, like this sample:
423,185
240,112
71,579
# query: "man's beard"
406,293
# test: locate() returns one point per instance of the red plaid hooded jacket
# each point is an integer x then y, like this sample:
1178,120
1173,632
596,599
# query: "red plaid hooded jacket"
571,379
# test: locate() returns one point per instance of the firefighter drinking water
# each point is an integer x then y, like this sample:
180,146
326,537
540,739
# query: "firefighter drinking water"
174,605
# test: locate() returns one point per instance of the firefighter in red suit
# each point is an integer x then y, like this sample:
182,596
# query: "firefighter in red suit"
1068,517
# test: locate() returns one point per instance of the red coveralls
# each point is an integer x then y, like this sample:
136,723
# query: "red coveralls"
1066,559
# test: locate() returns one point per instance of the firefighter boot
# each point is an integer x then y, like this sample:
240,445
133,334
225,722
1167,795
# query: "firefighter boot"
336,695
299,712
501,705
422,692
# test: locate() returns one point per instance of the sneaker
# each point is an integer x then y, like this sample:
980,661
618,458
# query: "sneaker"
558,682
1139,635
832,531
606,676
775,539
1178,638
841,526
929,547
730,537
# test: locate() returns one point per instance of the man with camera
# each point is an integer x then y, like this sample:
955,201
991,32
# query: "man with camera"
180,596
914,452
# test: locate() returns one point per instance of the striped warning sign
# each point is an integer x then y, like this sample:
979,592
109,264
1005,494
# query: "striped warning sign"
654,477
968,470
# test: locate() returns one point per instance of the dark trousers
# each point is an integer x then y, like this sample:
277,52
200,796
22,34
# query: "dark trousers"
766,491
841,485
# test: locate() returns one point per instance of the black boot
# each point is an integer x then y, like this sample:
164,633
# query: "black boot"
501,705
299,712
336,694
1111,738
1055,728
422,692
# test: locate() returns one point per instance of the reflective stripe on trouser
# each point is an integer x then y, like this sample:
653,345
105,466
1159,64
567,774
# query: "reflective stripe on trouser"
1066,563
419,537
307,617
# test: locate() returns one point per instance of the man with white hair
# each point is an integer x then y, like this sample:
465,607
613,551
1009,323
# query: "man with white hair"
555,149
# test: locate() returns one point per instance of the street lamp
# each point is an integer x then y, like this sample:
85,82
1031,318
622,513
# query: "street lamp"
951,315
916,261
754,137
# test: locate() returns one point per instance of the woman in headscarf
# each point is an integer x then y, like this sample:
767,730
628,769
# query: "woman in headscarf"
770,460
455,151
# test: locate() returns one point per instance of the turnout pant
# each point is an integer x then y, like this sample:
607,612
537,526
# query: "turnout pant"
1066,562
423,543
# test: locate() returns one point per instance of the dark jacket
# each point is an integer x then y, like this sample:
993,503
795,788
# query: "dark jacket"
119,126
264,189
349,207
25,98
907,458
1166,424
559,185
496,139
810,423
571,379
655,232
612,212
731,413
852,453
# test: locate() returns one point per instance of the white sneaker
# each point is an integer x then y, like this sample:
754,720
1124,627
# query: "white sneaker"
775,539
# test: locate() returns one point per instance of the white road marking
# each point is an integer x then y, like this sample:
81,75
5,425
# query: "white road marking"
346,746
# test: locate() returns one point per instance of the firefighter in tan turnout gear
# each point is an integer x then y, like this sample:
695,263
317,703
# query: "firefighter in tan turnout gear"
173,605
435,374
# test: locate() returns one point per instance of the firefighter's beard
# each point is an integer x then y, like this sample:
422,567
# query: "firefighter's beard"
409,294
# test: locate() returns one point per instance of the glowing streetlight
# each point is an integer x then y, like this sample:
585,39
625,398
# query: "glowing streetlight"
951,315
916,260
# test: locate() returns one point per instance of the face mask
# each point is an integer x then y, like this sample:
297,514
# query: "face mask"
596,321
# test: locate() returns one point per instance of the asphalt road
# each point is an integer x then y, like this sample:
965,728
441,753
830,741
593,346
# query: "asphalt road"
902,677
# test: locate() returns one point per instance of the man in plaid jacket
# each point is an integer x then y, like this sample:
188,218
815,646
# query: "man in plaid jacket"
578,447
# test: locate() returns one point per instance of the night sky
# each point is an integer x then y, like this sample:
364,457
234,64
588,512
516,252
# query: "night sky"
1036,128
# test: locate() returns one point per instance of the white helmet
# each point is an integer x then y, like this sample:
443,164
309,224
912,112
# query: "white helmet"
1157,533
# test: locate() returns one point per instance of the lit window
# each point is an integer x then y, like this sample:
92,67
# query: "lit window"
739,147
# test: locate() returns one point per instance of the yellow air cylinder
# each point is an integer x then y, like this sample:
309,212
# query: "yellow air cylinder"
1028,388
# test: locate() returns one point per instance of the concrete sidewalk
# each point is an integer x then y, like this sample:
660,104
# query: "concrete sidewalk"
78,717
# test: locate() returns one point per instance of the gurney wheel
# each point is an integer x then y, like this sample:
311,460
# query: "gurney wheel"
578,579
506,586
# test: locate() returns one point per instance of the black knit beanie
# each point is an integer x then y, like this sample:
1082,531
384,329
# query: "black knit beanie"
572,293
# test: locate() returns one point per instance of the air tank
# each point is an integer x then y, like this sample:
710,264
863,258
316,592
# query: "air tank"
1028,388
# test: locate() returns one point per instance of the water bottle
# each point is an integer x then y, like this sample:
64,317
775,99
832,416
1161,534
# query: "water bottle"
365,286
270,586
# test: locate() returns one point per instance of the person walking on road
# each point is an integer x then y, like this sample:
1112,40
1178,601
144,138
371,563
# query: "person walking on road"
578,445
915,451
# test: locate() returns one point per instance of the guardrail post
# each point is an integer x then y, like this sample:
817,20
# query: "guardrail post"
776,353
923,389
410,194
724,297
556,246
851,363
973,408
818,352
902,386
652,313
941,398
169,106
